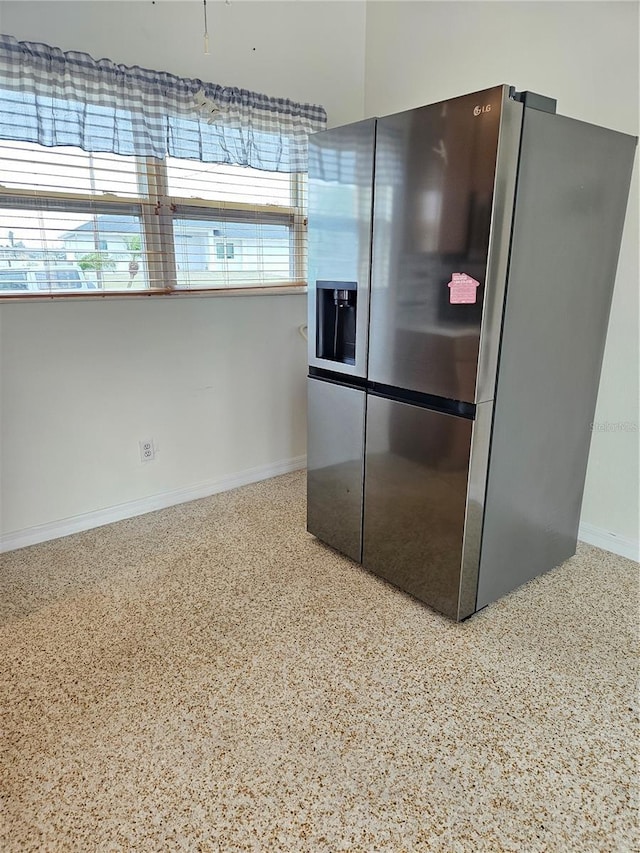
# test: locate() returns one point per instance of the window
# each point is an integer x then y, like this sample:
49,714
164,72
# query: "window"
167,207
225,250
234,226
75,222
11,279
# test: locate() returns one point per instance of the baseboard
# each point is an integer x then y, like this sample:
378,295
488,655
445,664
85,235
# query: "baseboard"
98,518
609,541
588,533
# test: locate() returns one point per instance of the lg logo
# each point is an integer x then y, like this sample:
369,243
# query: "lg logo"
478,110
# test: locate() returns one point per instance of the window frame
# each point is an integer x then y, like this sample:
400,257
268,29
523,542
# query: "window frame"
156,210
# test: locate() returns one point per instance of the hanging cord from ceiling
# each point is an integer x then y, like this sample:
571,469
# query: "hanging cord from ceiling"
206,29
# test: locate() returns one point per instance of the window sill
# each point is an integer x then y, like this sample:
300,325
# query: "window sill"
278,290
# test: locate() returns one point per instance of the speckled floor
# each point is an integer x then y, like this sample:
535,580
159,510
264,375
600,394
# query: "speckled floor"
211,678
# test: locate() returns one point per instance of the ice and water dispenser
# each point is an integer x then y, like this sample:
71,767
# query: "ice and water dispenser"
336,320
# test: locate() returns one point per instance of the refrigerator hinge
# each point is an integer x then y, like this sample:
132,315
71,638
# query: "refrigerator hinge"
534,100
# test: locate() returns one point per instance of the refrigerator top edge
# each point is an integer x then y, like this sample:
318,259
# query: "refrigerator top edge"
480,96
317,136
508,90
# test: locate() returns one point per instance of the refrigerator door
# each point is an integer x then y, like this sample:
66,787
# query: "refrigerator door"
335,462
425,476
444,185
340,202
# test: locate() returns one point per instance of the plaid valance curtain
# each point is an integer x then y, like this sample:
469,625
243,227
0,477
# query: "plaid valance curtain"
52,97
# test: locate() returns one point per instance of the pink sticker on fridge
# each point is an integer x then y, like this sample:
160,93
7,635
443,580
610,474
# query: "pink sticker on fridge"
463,290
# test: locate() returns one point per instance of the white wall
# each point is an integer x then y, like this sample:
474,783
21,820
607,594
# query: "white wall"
218,382
193,373
586,56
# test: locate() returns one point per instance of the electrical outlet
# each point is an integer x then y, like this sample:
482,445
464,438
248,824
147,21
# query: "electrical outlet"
147,450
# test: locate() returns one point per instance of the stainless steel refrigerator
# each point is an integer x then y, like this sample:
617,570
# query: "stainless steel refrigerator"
462,257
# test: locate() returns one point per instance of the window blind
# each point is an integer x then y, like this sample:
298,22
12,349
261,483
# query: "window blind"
78,222
116,178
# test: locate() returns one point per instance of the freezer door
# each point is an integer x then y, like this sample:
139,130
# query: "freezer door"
443,199
340,210
335,461
425,476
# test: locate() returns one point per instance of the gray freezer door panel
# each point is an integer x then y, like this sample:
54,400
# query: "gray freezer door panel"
335,459
340,210
434,192
572,194
416,483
